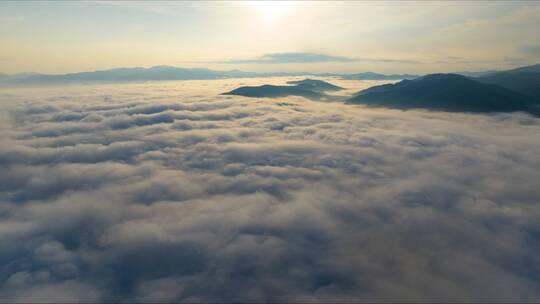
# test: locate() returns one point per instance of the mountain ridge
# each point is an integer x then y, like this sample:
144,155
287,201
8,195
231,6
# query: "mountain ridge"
447,92
164,72
525,80
308,88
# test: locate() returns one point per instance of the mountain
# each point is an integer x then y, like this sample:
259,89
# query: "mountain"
525,80
307,88
447,92
273,91
377,76
158,73
315,85
535,68
129,74
475,74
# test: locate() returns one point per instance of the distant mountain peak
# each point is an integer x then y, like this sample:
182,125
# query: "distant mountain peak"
308,88
315,85
525,80
447,92
273,91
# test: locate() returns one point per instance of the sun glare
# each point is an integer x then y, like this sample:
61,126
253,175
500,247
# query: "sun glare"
261,151
270,11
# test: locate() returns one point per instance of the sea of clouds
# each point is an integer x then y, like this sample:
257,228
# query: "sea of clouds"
168,191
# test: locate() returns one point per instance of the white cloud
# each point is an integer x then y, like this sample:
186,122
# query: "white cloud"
172,192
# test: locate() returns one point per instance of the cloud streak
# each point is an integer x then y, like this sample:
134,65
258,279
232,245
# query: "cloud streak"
172,192
531,49
461,60
11,19
299,57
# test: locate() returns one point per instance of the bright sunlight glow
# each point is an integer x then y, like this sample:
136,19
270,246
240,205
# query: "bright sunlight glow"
271,11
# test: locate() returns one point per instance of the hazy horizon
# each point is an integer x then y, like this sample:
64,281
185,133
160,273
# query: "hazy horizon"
257,36
306,72
218,186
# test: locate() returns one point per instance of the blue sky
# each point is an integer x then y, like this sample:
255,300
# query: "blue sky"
416,37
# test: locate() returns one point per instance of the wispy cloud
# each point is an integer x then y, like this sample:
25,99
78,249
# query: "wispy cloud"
11,19
389,60
301,57
277,58
461,60
531,49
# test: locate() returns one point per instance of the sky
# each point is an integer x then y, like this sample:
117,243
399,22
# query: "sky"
413,37
171,191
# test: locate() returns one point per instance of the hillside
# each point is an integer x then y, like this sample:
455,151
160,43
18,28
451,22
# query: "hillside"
447,92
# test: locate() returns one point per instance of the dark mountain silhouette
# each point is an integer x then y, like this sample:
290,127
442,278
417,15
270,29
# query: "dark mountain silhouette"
308,88
377,76
273,91
525,80
447,92
315,85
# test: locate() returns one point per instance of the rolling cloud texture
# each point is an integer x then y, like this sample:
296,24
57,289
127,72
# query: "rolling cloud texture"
172,192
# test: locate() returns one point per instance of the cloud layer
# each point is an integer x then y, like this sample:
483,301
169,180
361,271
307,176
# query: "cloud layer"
299,57
279,58
171,192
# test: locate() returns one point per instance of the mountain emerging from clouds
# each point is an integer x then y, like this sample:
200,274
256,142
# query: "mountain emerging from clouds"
525,80
512,90
308,88
515,90
447,92
273,91
315,85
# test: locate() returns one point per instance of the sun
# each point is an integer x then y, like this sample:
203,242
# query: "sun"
270,11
